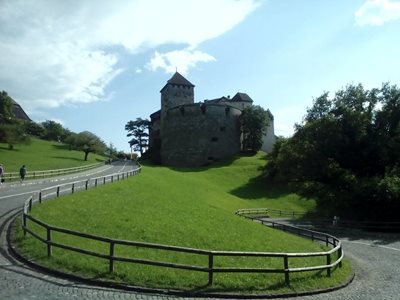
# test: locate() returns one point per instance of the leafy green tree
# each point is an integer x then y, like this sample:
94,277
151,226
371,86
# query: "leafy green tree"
139,131
254,121
34,129
13,134
89,143
346,153
6,104
53,131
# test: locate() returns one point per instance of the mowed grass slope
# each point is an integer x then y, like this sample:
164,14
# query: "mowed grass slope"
43,155
189,208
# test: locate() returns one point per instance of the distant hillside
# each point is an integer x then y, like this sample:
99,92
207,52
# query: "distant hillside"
43,155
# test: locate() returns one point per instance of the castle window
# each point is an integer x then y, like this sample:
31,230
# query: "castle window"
227,110
222,129
214,139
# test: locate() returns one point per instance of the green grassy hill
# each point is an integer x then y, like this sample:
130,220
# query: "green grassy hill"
189,207
43,155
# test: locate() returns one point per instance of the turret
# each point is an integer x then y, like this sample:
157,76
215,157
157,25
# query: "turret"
177,91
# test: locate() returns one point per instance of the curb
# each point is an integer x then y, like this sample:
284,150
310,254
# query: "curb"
165,292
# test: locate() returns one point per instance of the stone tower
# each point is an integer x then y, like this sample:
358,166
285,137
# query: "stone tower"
178,91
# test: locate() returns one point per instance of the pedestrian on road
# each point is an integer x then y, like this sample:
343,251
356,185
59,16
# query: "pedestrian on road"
1,174
22,173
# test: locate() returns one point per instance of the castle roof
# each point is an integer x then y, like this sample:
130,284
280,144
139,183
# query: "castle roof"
178,79
18,112
155,115
242,97
218,100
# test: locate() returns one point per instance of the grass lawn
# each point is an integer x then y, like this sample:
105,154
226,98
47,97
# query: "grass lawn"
191,208
43,155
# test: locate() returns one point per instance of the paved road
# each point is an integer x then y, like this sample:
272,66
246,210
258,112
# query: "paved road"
375,258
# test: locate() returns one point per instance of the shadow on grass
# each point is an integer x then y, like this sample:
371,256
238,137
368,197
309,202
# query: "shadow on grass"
68,158
219,163
8,149
259,187
61,146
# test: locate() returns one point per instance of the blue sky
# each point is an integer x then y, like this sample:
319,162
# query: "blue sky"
95,65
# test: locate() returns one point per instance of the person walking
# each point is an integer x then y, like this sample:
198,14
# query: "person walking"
22,173
1,174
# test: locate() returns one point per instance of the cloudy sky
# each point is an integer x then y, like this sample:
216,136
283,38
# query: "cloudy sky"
95,65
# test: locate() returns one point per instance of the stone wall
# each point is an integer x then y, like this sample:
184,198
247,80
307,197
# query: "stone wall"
198,134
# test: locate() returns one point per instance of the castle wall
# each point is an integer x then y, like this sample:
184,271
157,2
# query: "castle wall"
173,95
198,134
269,137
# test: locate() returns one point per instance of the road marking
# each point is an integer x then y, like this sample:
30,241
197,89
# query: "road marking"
13,195
374,245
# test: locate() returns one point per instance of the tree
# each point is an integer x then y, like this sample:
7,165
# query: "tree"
139,131
346,153
254,121
53,131
34,129
89,143
110,152
6,105
13,134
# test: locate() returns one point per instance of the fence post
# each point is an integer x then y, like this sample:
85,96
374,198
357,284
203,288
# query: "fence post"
86,184
40,196
73,188
326,240
104,180
58,191
24,222
328,262
49,252
118,177
210,268
30,204
111,267
112,178
95,182
286,266
339,255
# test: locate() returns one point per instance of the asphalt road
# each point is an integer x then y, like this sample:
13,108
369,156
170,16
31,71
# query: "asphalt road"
375,257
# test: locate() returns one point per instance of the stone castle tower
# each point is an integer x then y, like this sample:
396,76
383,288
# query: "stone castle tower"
188,134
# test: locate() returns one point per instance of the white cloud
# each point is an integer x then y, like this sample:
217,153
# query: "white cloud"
286,117
377,12
180,60
56,52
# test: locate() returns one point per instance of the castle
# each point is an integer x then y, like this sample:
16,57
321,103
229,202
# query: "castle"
188,134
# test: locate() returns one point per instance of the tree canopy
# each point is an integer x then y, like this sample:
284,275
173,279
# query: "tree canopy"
254,121
346,153
87,142
6,112
139,131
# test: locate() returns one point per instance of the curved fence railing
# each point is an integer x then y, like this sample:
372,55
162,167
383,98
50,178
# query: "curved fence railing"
10,176
269,212
322,224
209,267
